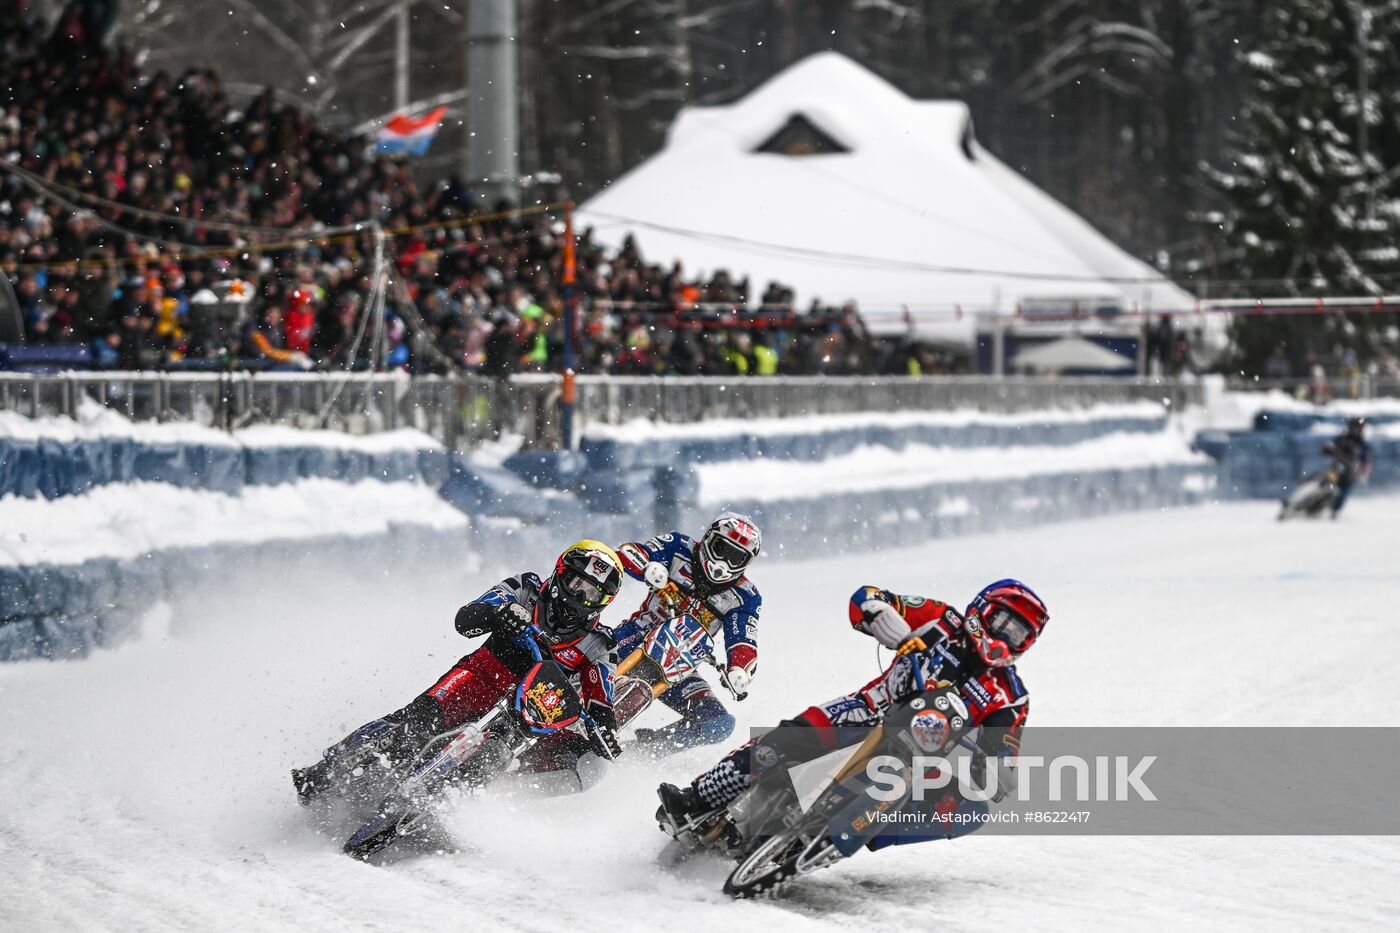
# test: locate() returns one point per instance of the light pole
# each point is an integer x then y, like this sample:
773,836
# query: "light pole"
401,55
492,114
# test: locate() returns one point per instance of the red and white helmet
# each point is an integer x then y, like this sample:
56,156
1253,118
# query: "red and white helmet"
727,547
1004,620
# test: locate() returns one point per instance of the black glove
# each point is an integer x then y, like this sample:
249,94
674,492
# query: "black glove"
603,741
1006,781
514,619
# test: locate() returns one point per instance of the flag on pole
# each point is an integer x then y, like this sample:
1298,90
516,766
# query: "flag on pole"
410,135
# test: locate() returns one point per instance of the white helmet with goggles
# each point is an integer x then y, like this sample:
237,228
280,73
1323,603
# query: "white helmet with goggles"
727,547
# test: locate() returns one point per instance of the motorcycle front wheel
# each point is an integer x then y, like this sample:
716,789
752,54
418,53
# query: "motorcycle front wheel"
778,860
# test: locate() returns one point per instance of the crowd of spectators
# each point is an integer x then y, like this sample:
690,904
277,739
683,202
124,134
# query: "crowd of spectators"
216,234
1322,377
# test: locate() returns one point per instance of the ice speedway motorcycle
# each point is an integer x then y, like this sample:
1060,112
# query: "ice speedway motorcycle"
473,754
1314,495
670,653
775,840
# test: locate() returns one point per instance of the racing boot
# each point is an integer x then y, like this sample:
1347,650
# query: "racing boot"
684,816
346,759
679,806
313,781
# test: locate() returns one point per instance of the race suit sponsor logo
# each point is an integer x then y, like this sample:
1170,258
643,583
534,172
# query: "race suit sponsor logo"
844,705
570,657
444,687
977,693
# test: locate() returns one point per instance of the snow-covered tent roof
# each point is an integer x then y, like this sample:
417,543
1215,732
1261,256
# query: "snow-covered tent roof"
893,204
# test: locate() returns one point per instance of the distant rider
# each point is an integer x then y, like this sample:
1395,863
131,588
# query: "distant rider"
1353,455
565,610
977,651
709,583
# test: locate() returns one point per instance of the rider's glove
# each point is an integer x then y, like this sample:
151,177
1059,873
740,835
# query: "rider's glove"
603,741
738,680
881,621
515,618
1005,775
656,575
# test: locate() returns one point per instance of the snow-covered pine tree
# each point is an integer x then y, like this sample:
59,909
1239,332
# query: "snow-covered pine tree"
1305,215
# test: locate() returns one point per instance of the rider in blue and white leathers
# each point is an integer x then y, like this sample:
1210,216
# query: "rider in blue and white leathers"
711,586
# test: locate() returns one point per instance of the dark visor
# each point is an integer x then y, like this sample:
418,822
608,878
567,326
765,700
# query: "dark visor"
1009,627
723,549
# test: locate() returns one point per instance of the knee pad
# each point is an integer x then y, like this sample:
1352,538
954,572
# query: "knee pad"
420,720
711,720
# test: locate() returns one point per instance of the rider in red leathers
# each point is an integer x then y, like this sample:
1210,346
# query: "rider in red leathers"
975,650
564,611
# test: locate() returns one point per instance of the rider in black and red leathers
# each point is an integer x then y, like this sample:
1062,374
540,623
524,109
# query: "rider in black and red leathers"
564,609
975,650
1350,452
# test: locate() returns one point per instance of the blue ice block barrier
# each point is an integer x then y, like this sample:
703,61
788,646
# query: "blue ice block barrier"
1269,461
618,491
548,469
21,467
1292,421
676,488
893,518
67,610
52,468
481,489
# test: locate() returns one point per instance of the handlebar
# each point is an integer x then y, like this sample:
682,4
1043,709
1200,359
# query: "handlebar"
535,641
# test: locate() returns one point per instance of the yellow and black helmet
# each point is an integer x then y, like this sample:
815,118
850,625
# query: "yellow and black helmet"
586,578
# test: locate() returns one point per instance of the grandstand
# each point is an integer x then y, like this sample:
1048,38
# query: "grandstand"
147,221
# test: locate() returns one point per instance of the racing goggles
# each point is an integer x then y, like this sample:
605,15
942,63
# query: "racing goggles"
1007,626
587,592
722,549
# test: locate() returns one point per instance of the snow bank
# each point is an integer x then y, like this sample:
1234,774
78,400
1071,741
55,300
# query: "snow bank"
97,422
1237,410
915,466
126,520
640,429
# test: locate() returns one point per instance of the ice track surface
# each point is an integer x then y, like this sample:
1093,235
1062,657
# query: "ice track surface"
146,788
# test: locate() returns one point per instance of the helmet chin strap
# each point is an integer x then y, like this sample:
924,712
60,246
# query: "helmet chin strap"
701,578
549,609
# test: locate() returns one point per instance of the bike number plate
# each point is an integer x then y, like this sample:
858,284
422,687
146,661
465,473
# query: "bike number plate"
546,700
678,646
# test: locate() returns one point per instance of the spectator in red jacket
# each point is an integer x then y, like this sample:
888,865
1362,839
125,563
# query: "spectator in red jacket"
300,322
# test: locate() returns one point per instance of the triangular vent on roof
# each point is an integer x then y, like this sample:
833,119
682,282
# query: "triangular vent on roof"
800,137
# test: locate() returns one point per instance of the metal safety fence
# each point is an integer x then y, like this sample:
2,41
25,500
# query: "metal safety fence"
466,411
611,400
